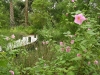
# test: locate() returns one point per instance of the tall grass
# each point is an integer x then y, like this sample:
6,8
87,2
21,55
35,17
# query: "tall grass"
29,56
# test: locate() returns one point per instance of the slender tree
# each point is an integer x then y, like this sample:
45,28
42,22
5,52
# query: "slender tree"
12,23
26,12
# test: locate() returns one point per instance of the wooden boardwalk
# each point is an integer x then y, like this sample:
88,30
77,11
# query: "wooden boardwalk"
21,42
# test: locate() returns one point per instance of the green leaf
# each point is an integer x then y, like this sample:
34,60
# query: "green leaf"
76,58
91,32
3,62
83,48
78,12
95,73
70,73
87,57
71,68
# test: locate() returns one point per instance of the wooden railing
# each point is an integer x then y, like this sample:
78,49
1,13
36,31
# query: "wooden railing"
21,42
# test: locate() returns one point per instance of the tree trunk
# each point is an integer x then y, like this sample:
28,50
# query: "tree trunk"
12,23
26,12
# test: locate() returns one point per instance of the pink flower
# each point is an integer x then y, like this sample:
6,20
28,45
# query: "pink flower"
95,62
73,0
12,72
72,42
78,55
61,43
43,42
68,49
79,19
7,38
12,36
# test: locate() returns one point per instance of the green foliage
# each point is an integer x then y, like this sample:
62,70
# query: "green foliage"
42,5
38,21
19,9
53,21
4,19
49,34
40,16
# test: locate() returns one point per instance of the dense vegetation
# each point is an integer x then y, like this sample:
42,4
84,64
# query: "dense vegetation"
68,37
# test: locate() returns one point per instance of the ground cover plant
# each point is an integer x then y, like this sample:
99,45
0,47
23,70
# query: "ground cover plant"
68,38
